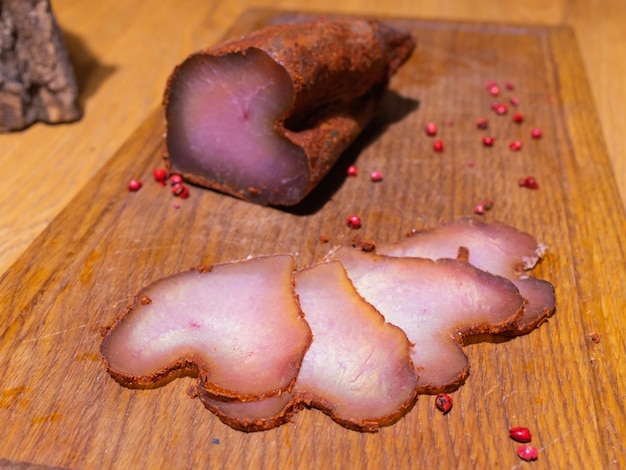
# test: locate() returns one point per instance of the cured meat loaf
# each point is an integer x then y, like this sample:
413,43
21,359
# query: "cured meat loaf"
265,116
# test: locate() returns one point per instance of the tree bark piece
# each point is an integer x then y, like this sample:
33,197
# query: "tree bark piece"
36,78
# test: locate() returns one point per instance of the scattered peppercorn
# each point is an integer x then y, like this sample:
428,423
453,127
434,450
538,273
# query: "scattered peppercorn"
514,101
376,176
509,86
536,133
520,434
482,123
352,170
529,182
134,185
483,206
431,129
494,90
354,222
527,452
516,145
518,118
443,402
160,175
175,179
438,145
489,84
488,141
180,190
501,109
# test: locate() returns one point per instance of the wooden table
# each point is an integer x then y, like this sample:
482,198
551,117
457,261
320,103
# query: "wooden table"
123,51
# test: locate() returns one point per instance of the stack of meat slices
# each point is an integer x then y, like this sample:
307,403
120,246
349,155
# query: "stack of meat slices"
358,335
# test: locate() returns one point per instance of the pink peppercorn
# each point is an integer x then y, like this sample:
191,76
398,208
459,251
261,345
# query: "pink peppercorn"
134,185
501,109
180,190
514,101
376,176
494,90
160,175
516,145
176,179
520,434
352,170
536,133
354,222
490,83
438,145
431,129
518,118
529,182
527,452
482,123
443,402
488,141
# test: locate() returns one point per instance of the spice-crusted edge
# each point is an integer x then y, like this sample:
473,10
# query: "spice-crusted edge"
193,365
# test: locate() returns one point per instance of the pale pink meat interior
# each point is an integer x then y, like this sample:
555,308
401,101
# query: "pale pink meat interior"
495,248
222,114
241,320
358,365
432,302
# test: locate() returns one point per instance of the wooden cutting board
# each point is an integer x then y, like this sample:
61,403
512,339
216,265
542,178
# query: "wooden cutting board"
60,408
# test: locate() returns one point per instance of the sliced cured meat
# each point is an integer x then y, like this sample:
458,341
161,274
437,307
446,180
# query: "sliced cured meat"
436,303
497,248
237,325
358,369
265,116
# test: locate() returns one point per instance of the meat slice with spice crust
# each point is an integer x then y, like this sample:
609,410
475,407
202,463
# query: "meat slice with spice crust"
238,326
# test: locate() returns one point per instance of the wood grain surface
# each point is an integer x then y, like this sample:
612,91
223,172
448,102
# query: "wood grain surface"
61,409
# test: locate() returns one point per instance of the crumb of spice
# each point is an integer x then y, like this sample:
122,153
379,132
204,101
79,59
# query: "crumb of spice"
595,337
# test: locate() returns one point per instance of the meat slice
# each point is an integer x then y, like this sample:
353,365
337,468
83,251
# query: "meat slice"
237,325
358,369
436,303
264,117
495,247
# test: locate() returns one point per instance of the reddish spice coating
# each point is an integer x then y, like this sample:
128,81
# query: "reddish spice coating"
338,70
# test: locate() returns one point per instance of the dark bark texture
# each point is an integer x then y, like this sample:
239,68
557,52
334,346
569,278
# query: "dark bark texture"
36,79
